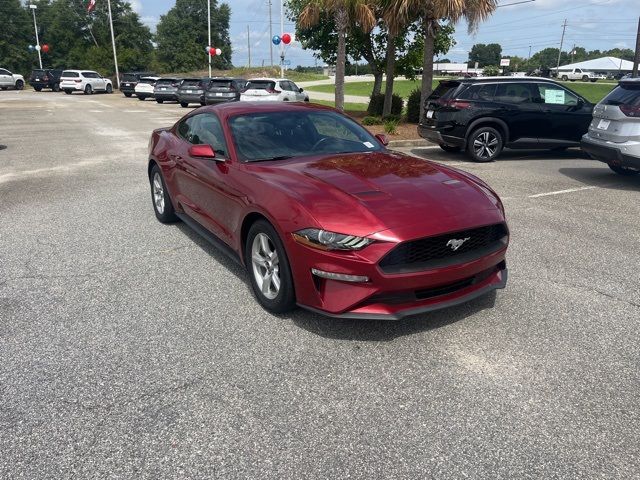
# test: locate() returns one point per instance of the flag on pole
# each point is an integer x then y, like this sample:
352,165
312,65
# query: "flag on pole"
91,5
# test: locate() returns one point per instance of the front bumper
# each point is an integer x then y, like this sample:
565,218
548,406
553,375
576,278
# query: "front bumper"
616,154
436,136
388,296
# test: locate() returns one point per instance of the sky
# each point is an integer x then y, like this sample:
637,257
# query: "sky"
593,24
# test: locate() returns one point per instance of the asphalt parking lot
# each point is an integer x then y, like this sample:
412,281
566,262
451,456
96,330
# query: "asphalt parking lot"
132,349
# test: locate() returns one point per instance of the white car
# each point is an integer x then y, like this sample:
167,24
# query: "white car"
144,87
10,80
572,74
273,90
86,81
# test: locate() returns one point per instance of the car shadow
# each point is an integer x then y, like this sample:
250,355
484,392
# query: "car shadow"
506,156
602,177
348,329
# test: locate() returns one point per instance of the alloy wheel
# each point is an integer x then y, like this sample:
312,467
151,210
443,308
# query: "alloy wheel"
485,145
158,193
265,266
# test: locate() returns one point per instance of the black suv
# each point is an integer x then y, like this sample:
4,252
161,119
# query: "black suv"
224,90
130,80
45,78
484,115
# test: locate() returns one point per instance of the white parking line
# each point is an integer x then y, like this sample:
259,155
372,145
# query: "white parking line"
560,192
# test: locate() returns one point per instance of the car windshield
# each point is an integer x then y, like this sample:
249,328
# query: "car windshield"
289,134
70,74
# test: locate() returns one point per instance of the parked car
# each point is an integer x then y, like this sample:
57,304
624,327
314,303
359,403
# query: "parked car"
323,216
145,87
273,90
221,90
614,134
130,80
192,91
45,78
10,80
86,81
573,74
485,115
166,89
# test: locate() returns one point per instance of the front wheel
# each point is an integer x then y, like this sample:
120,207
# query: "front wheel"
127,94
162,205
19,85
269,271
450,148
485,144
627,172
585,78
141,98
184,105
37,89
594,80
159,101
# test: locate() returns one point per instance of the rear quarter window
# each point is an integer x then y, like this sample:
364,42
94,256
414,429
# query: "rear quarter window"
480,93
444,90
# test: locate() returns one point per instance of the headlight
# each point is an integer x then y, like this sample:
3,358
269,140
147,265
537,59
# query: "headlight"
325,240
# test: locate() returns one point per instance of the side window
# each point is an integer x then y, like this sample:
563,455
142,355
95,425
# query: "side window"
481,93
4,72
516,93
294,87
204,129
554,95
578,70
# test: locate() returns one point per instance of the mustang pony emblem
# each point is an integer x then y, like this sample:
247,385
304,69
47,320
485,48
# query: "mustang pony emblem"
456,243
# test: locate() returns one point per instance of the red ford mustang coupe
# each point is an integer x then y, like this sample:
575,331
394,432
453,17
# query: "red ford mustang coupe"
322,215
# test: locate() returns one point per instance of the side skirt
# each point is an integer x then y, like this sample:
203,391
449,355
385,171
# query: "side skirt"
210,237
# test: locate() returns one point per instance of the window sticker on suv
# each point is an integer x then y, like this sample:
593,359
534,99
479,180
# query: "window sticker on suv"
555,97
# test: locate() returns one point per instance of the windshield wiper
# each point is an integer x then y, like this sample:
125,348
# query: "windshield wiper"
280,157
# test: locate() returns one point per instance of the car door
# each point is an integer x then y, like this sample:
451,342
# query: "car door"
6,79
211,198
517,104
568,116
296,90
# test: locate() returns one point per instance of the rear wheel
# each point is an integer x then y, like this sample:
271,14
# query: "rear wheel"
585,78
184,105
485,144
37,89
162,205
627,172
594,80
268,265
109,88
159,101
141,98
564,78
19,85
127,94
450,148
56,87
68,92
202,104
88,90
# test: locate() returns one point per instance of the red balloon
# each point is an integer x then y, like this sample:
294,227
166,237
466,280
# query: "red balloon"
212,52
286,38
45,48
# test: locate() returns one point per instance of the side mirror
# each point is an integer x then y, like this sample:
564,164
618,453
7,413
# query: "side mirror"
382,138
301,90
202,151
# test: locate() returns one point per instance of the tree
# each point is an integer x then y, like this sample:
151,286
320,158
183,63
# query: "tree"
182,36
15,36
485,54
343,12
548,58
430,13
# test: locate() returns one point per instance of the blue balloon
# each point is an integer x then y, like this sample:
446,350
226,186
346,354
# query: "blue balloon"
276,40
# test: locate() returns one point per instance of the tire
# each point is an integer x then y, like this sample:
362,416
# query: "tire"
627,172
19,85
184,105
450,148
594,80
306,99
68,92
159,101
141,98
485,144
202,104
37,89
88,90
585,78
564,78
109,89
56,87
127,94
264,242
162,205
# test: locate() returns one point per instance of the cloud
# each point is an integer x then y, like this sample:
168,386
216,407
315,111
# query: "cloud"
136,6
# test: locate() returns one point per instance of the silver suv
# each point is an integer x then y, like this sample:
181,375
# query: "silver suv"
614,133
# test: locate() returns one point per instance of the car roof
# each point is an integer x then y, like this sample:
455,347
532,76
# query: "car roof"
230,109
265,79
500,79
631,81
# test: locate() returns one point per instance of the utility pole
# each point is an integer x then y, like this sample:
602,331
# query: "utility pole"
529,53
573,52
209,30
270,34
113,43
35,26
249,45
281,43
636,59
564,28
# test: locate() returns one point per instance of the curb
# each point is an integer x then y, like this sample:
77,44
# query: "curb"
410,143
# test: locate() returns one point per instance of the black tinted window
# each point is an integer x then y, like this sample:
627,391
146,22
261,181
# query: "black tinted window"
204,129
624,94
166,81
193,83
515,93
129,77
70,74
479,93
261,85
444,90
4,72
220,84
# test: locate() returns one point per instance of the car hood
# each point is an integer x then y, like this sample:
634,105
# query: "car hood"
361,194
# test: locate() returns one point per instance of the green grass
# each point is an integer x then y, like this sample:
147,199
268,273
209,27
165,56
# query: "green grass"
594,92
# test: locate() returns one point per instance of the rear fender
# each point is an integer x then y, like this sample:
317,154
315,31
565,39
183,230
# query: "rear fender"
487,122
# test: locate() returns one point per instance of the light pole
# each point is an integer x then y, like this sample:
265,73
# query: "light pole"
35,26
209,27
281,43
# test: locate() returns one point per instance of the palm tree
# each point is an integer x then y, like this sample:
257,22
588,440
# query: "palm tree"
344,12
430,13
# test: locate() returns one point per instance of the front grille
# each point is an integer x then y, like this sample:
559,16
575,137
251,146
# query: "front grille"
434,252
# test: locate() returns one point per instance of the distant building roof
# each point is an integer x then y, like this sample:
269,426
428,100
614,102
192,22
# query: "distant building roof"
607,64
